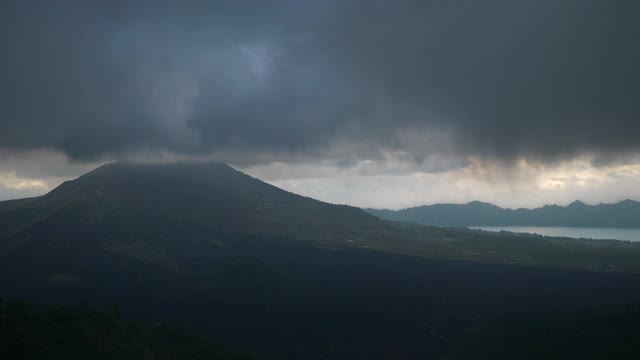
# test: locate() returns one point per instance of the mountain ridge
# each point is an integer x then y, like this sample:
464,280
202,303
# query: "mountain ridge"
624,214
173,215
193,191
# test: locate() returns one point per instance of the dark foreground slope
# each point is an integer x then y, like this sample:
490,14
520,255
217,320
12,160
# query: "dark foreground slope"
256,267
284,298
82,332
625,214
605,333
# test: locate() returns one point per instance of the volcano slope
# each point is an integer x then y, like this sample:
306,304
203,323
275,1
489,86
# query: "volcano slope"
260,268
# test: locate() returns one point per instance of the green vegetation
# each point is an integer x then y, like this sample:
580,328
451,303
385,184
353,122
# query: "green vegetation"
62,279
611,333
143,252
251,272
509,248
55,332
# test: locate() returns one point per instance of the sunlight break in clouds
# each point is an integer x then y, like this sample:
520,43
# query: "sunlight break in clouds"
526,185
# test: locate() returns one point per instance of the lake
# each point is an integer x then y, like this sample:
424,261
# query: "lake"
572,232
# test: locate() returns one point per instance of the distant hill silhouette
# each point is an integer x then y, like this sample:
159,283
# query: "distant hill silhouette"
625,214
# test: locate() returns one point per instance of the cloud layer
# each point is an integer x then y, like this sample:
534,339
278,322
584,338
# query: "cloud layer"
430,83
530,186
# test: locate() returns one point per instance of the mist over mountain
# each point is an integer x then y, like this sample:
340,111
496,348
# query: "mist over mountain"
624,214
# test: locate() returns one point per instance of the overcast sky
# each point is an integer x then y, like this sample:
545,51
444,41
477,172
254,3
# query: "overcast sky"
370,103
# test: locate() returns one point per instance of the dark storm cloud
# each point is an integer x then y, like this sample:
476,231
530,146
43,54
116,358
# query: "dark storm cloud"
493,79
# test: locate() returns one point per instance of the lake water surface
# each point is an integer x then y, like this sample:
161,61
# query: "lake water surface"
572,232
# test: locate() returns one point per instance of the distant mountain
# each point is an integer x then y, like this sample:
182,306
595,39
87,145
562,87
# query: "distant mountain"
625,214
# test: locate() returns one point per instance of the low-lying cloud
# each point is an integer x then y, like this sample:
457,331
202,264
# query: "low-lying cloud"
310,81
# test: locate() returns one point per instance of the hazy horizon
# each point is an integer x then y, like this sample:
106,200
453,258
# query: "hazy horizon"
35,188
